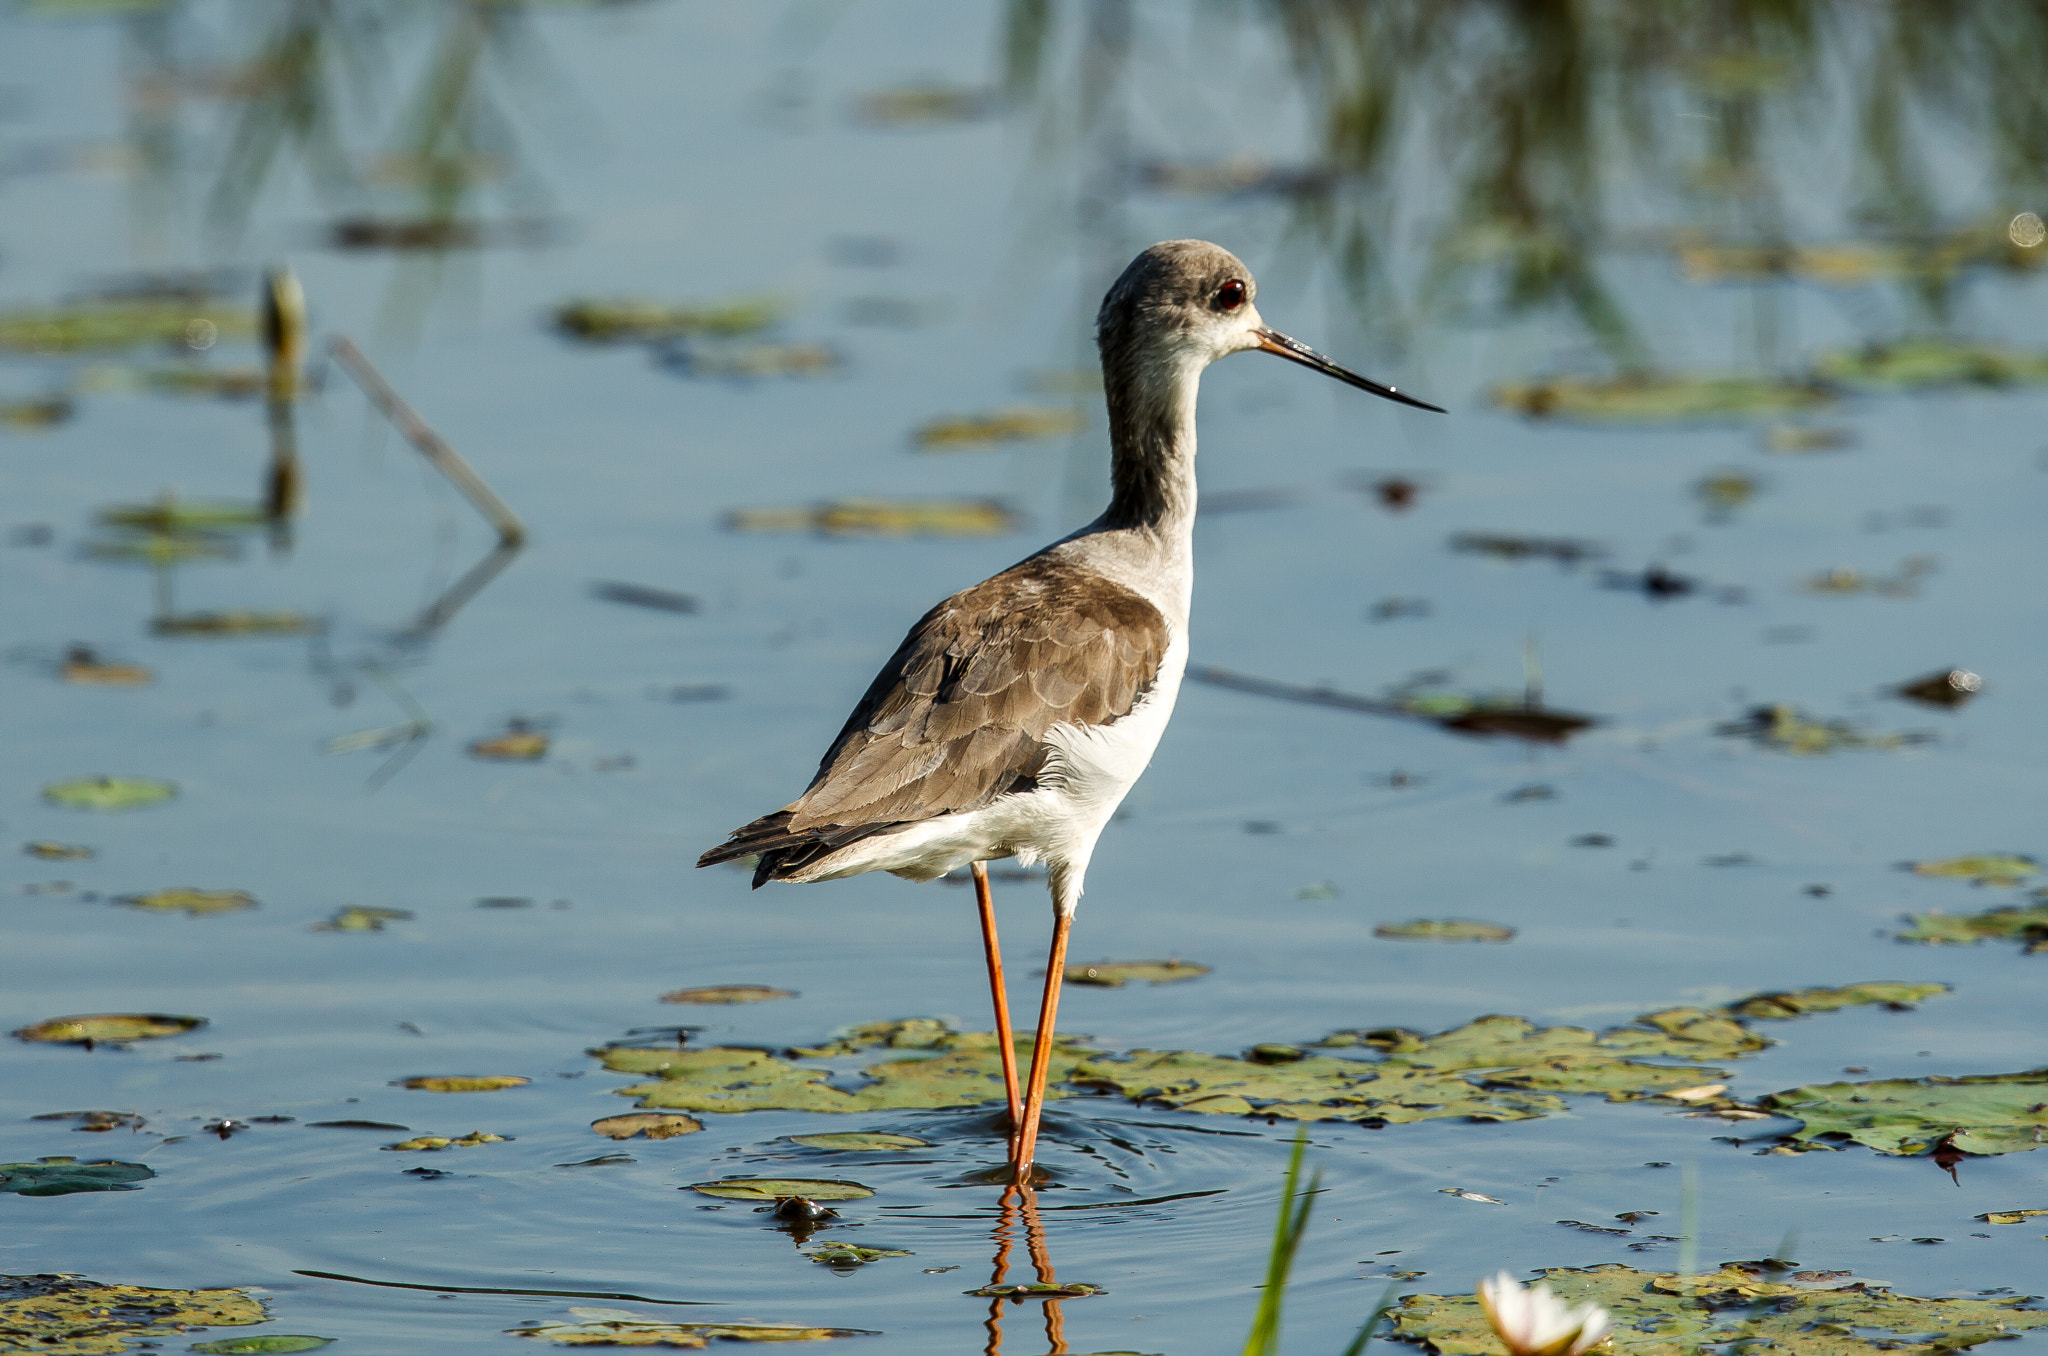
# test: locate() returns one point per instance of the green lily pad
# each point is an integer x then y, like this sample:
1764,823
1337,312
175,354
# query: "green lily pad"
1924,364
235,622
620,321
264,1345
854,1141
185,515
1660,399
464,1082
191,902
358,919
624,1328
852,1254
1890,994
1978,1114
1805,1313
1039,1290
652,1124
722,994
110,1028
71,1316
109,793
1985,868
435,1142
2011,923
782,1189
1445,930
59,852
1116,974
122,324
1784,729
162,548
63,1176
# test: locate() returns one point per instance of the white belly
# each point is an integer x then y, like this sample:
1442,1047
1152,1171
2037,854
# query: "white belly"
1090,771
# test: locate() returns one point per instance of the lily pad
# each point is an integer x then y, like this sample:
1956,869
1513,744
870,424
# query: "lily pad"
1925,364
2011,923
64,1176
1984,868
71,1316
191,902
114,324
1755,1303
1039,1290
1976,1114
515,746
857,1141
782,1189
1445,930
883,518
263,1345
186,515
849,1255
235,622
435,1142
624,1328
728,993
109,1028
109,793
1661,399
1116,974
358,919
634,320
59,852
464,1082
88,670
1786,729
1008,426
652,1124
96,1121
2011,1216
1891,994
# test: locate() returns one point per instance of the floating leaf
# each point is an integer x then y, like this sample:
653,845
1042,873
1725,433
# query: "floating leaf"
883,518
1008,426
1755,1303
750,362
626,320
64,1176
1465,1195
1987,868
109,793
514,746
100,1121
263,1345
1445,930
927,105
47,412
1975,1114
1116,974
652,1124
727,993
85,669
1924,364
59,852
1039,1290
238,622
185,515
2011,1216
71,1316
109,1028
434,1142
782,1189
634,1331
358,919
356,1125
191,902
110,324
855,1141
464,1082
1669,398
852,1254
2011,923
1505,546
1885,993
1785,729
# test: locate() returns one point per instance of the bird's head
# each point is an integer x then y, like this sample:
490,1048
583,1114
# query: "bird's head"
1188,302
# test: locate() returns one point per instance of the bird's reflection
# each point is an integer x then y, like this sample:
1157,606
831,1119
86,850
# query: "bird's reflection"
1021,1204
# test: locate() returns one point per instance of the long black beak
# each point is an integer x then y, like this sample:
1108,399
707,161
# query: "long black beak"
1274,342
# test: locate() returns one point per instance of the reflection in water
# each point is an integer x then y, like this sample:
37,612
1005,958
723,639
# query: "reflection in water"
1522,143
1023,1201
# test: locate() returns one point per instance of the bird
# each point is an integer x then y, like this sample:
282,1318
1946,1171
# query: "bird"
1017,714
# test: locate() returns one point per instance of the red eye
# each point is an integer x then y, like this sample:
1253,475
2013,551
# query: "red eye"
1230,296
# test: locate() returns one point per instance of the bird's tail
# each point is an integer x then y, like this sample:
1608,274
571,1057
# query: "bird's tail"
784,852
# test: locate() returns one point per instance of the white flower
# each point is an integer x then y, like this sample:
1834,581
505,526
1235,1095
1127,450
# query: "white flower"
1534,1322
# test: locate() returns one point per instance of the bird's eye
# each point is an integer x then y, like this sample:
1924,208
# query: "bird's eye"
1230,296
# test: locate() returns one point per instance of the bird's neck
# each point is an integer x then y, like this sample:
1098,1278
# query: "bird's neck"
1152,445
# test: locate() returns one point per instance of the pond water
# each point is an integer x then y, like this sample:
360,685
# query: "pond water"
1449,203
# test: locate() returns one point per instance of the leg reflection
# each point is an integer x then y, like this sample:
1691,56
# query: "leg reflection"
1023,1202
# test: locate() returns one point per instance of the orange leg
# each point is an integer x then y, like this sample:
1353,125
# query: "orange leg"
994,951
1041,1049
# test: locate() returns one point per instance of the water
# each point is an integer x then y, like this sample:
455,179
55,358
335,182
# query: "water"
687,153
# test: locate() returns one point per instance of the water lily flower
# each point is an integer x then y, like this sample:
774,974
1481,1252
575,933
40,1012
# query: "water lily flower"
1534,1322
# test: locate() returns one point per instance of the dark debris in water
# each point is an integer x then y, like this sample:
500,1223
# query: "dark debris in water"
1948,689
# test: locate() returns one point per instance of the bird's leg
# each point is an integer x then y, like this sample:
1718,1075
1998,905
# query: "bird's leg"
1041,1048
1005,1041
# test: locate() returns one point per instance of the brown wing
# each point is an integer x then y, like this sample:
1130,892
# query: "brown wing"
958,715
